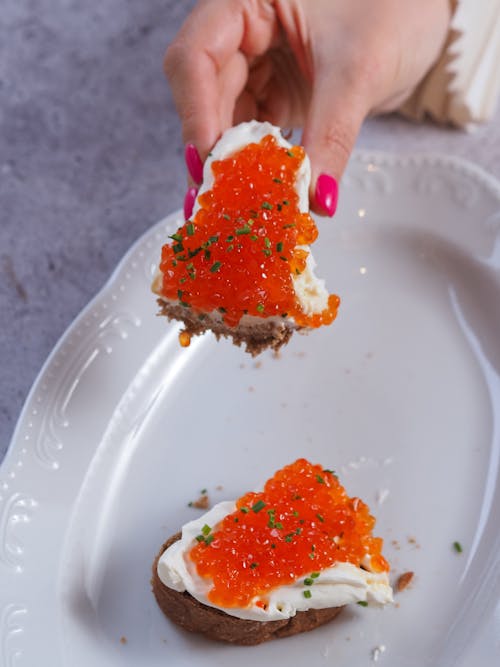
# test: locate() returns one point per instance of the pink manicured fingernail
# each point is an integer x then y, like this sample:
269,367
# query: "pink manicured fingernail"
193,163
189,200
327,193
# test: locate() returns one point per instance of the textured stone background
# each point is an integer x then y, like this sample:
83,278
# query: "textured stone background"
91,156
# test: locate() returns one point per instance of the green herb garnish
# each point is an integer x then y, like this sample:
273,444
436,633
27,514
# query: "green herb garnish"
458,547
307,594
190,229
259,505
215,267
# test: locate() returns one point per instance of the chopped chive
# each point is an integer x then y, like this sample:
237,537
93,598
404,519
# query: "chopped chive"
314,575
277,180
246,229
230,238
298,531
254,237
215,267
278,525
285,259
458,547
260,307
289,225
174,262
284,315
207,254
290,154
311,556
289,537
230,248
245,510
221,309
273,546
193,253
179,294
185,304
260,504
267,242
279,246
297,272
320,479
177,247
307,594
363,603
213,239
226,216
190,229
267,252
202,316
253,566
320,518
295,513
279,207
254,214
285,202
176,237
296,496
209,539
200,538
206,529
182,280
266,205
235,519
308,581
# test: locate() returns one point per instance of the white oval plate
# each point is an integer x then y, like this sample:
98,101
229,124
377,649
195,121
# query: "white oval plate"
400,395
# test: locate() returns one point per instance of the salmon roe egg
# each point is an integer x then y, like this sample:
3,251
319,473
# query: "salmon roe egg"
241,251
300,524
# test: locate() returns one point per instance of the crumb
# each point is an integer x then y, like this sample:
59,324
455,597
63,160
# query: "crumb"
123,640
396,604
396,544
251,389
404,581
277,354
413,541
202,503
258,364
219,487
377,652
382,495
300,355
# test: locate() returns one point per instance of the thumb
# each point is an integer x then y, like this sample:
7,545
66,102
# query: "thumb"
332,125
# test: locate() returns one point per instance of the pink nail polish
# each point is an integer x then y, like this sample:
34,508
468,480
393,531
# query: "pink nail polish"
193,163
327,193
189,200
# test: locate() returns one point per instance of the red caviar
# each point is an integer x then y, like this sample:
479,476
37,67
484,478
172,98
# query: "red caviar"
301,523
239,252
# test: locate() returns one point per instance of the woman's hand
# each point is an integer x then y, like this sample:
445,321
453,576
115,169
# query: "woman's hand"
322,64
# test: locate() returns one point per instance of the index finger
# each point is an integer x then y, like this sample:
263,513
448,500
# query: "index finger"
212,36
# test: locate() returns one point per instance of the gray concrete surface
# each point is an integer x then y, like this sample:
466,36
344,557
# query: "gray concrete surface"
91,156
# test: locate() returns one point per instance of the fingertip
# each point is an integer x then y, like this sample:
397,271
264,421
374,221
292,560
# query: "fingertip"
326,195
189,201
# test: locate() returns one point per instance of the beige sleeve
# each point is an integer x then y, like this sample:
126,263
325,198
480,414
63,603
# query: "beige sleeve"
463,86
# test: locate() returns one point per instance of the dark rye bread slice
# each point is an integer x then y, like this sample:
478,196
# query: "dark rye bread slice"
186,611
256,338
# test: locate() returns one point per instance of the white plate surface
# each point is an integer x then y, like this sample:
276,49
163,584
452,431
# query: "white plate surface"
400,395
